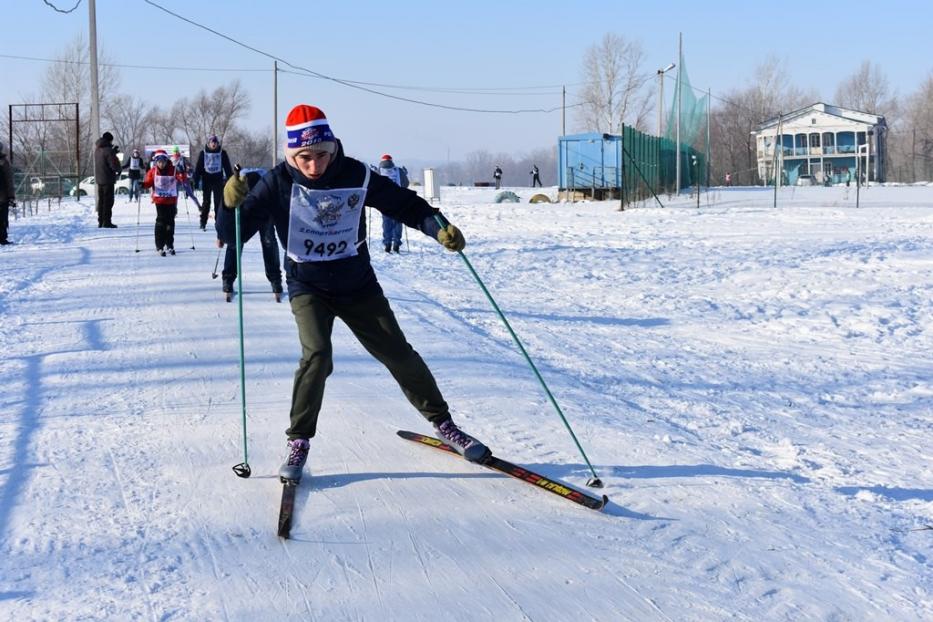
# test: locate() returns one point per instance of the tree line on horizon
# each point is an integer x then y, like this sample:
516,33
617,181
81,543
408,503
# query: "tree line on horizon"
616,88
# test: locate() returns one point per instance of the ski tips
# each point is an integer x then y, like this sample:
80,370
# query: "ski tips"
242,470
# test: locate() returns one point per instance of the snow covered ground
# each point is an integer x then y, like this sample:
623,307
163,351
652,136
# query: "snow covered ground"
754,385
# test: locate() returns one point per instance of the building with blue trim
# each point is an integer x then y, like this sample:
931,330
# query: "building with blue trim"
822,144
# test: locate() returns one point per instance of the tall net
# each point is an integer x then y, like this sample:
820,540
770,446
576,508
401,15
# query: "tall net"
693,119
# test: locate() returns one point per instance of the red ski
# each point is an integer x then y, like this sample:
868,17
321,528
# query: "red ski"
518,472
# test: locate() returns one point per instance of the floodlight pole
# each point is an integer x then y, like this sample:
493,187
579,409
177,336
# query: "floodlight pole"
680,89
661,73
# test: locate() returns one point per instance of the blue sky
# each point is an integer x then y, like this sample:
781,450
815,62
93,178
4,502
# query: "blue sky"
477,45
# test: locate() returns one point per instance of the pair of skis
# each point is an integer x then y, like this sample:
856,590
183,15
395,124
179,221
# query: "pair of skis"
557,487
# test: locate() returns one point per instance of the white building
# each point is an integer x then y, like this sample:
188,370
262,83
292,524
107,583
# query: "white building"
822,144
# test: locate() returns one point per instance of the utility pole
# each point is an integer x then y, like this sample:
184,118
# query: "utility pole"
709,101
778,159
563,111
95,90
275,111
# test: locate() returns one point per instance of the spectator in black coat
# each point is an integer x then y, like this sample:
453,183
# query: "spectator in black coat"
7,195
106,169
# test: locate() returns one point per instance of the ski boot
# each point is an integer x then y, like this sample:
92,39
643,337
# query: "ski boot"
396,247
295,461
466,445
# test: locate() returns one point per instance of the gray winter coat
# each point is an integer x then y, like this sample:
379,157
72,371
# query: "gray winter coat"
106,164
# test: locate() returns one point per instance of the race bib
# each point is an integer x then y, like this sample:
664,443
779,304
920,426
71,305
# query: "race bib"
323,225
135,164
165,186
391,173
212,162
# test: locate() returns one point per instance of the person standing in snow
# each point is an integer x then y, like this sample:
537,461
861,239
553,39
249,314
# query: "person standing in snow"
535,176
164,181
7,196
136,167
106,169
317,198
270,248
211,171
497,175
391,228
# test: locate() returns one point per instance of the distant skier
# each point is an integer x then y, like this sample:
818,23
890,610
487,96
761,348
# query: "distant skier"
270,247
136,168
211,171
391,228
164,181
317,198
497,175
535,176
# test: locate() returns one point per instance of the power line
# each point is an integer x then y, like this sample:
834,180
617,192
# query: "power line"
512,91
84,62
77,4
349,84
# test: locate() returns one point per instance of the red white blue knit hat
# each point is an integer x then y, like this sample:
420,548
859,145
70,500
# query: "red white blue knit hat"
159,155
307,128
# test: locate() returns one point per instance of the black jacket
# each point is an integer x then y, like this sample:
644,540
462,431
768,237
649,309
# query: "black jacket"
225,169
106,164
341,280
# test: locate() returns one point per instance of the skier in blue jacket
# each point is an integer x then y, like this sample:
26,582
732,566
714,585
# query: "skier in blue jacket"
316,199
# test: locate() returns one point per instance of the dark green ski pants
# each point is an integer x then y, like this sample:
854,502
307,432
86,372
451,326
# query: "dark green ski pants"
374,325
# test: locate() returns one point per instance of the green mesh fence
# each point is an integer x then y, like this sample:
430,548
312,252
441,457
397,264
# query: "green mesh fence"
650,166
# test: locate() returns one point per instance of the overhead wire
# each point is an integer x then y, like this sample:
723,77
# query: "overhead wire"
347,83
77,4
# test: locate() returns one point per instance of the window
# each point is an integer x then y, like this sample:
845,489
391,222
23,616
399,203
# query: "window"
814,140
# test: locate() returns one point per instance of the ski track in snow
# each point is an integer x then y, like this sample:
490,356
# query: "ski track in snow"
753,385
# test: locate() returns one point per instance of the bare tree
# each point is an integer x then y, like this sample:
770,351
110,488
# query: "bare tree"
128,119
914,135
250,149
207,114
867,90
740,111
161,127
616,90
68,80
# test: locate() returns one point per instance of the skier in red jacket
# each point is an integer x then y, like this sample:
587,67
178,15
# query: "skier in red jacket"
164,181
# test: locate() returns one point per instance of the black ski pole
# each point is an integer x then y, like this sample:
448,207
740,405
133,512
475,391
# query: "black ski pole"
138,196
216,262
189,220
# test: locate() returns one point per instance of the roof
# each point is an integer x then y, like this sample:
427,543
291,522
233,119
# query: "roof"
856,116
